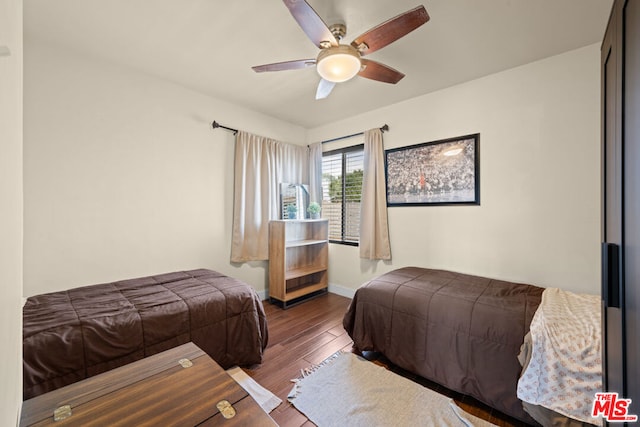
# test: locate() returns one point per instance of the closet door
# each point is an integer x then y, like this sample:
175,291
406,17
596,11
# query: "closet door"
612,247
631,205
621,202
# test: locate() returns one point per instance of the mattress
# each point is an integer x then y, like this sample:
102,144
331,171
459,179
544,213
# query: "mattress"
77,333
458,330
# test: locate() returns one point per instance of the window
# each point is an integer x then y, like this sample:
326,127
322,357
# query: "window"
341,192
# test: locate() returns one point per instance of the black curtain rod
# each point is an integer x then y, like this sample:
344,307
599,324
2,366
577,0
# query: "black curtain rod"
384,128
216,125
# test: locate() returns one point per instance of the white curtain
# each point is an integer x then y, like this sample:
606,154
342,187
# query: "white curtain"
261,164
315,172
374,229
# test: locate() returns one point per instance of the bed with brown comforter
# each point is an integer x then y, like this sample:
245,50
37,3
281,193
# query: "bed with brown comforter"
461,331
78,333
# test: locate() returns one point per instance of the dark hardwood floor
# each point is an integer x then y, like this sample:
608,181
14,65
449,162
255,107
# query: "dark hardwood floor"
308,333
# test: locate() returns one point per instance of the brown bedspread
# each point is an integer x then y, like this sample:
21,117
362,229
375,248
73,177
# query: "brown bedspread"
78,333
461,331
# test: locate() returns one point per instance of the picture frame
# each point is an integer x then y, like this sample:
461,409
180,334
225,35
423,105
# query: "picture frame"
443,172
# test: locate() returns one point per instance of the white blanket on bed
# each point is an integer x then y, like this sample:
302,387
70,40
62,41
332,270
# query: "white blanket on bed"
565,370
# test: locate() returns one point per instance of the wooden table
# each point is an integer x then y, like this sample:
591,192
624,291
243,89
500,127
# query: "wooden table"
155,391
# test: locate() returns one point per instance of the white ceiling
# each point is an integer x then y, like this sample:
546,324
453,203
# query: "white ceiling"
210,45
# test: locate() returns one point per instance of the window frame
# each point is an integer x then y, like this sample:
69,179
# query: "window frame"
343,151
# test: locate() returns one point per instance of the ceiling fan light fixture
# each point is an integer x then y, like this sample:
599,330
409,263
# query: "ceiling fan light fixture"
338,64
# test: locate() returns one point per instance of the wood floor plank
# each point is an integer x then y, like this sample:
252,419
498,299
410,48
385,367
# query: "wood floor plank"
298,350
287,327
306,334
290,417
337,330
316,357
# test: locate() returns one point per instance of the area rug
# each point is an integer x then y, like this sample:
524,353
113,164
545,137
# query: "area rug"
267,400
349,390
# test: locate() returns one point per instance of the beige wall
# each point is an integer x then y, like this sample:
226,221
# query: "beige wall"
539,219
124,176
11,211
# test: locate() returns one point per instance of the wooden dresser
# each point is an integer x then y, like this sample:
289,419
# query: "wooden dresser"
160,390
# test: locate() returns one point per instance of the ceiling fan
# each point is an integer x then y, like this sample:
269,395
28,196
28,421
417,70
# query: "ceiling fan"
337,62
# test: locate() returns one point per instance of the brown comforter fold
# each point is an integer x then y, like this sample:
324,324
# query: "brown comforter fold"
78,333
461,331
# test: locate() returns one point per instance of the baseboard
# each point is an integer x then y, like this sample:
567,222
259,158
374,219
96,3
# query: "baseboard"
342,291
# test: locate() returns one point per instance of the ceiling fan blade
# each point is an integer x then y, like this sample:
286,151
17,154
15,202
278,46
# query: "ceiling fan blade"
287,65
310,22
376,71
324,89
390,31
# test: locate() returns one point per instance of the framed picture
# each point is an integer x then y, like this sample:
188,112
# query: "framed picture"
444,172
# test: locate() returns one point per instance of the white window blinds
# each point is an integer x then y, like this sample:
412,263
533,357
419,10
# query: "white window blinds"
342,191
